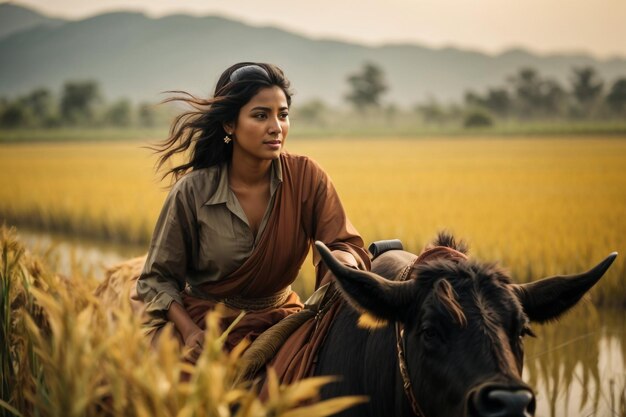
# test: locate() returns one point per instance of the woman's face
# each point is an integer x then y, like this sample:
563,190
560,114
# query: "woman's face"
262,126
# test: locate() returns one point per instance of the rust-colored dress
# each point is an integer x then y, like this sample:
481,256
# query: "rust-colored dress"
201,254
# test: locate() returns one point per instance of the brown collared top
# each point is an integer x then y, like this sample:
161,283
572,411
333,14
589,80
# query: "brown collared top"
202,239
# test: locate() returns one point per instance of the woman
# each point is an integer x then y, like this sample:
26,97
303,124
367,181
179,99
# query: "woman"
238,223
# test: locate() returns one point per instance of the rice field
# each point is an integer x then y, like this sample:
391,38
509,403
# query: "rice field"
539,206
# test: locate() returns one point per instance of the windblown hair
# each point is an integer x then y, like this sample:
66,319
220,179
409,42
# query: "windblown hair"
201,129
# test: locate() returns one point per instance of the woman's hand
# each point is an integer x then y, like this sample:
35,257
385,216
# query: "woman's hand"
194,343
346,258
192,335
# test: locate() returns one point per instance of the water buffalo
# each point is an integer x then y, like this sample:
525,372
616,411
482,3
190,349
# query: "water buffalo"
464,324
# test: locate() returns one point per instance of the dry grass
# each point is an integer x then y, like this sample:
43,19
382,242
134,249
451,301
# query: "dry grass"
66,353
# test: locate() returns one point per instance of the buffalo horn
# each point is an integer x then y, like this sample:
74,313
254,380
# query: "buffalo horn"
381,297
548,298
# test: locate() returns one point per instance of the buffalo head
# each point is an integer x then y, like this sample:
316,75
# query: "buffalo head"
464,325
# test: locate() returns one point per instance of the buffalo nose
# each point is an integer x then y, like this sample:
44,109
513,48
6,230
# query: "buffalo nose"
502,402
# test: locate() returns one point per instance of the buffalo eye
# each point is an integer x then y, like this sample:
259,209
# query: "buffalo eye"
527,331
521,328
518,345
429,336
524,331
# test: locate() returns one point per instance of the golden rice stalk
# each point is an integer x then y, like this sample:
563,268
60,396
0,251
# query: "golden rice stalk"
74,355
326,408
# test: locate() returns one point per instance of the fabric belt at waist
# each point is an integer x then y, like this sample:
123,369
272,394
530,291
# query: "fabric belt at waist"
242,303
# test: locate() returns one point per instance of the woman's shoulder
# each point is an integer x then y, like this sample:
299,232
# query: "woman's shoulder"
301,162
197,186
197,177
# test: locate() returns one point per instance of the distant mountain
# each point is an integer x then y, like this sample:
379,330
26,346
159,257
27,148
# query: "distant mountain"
14,18
135,56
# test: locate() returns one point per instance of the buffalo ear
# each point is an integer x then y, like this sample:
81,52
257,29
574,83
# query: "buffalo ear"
549,298
370,293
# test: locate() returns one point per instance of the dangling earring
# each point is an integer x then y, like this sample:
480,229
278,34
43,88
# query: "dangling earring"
227,139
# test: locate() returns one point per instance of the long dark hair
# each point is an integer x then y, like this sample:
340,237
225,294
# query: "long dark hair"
201,128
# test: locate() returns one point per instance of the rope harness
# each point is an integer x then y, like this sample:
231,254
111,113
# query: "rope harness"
404,371
400,349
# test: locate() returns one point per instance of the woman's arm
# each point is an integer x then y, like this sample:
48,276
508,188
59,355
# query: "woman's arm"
163,276
332,226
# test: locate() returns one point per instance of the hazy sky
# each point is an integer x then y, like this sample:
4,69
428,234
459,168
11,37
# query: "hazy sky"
598,27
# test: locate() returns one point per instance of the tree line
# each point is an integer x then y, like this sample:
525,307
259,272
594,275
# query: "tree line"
80,104
528,95
525,95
